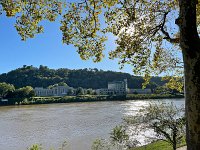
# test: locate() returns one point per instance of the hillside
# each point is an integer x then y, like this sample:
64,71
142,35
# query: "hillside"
86,78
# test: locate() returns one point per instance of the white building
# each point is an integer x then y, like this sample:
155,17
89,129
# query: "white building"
114,88
55,91
105,91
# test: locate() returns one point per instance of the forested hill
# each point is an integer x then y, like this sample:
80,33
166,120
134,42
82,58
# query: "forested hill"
86,78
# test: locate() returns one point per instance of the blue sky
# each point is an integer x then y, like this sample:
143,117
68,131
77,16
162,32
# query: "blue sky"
45,49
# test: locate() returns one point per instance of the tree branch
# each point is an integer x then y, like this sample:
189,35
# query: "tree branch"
167,36
163,132
161,28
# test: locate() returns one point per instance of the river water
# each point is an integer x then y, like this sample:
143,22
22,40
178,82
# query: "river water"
51,124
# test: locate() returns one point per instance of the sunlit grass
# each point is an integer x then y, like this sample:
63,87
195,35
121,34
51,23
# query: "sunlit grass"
158,145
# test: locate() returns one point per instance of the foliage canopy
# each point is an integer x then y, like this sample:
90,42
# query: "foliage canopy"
146,34
85,78
5,89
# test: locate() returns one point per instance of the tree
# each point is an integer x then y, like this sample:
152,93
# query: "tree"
119,137
147,38
24,92
79,91
90,91
62,84
5,89
167,121
119,140
119,134
162,90
70,92
57,84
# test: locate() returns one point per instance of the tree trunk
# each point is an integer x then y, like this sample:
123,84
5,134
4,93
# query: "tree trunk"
174,137
174,147
190,44
192,104
192,95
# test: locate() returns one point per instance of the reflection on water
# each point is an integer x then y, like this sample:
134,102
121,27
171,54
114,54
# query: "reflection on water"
133,107
77,123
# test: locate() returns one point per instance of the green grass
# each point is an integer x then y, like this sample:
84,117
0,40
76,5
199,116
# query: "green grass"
158,145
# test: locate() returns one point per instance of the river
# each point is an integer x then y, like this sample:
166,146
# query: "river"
51,124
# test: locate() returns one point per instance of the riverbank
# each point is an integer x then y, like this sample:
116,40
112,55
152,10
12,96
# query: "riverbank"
87,98
160,145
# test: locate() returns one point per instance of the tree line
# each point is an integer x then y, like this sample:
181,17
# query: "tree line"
85,78
9,91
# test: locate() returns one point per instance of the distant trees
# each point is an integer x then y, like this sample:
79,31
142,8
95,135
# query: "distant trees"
70,92
79,91
57,84
25,92
15,95
9,91
86,78
165,90
62,84
152,86
162,90
89,91
5,89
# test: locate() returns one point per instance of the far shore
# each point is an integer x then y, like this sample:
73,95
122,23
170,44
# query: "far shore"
86,98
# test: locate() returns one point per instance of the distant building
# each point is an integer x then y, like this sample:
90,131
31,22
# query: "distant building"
102,91
114,88
105,91
139,91
55,91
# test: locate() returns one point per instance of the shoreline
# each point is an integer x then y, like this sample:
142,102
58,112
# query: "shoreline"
86,98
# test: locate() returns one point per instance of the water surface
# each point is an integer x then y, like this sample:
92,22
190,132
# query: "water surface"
51,124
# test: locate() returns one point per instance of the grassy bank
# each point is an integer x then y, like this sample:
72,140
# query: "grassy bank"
158,145
87,98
